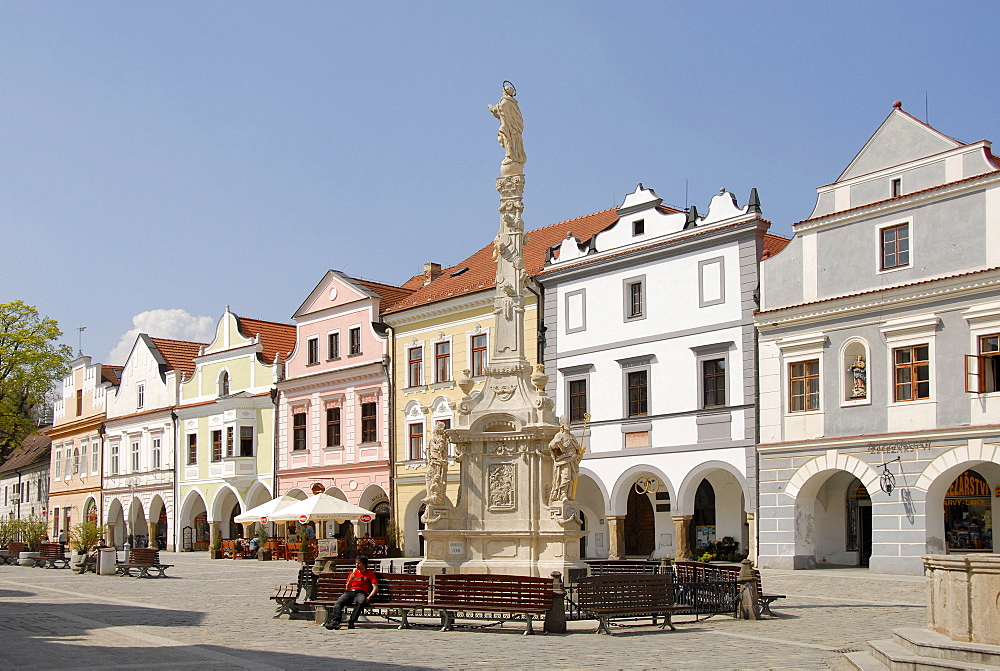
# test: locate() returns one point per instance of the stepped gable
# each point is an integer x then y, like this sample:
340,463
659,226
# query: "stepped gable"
111,374
480,268
32,451
276,338
773,244
179,354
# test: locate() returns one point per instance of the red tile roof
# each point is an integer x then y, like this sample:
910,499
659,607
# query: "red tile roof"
482,269
112,374
390,294
33,451
179,354
773,244
277,338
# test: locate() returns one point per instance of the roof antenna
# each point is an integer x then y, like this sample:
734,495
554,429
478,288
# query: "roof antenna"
685,194
927,119
81,329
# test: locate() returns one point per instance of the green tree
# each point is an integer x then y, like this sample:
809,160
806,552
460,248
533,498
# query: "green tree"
31,362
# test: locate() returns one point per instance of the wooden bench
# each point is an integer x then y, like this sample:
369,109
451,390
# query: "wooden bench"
627,595
619,567
488,593
143,560
702,572
15,548
52,555
397,592
286,596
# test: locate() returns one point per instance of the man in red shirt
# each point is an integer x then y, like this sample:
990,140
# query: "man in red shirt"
361,587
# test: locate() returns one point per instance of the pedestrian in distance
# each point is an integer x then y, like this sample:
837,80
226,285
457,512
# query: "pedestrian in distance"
362,585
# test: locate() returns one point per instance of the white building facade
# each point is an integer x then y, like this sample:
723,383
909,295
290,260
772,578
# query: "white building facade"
879,336
650,352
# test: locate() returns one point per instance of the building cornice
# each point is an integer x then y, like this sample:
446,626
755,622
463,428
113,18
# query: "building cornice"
480,300
76,426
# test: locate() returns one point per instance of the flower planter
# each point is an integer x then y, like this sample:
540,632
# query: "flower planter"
77,558
264,554
215,554
28,558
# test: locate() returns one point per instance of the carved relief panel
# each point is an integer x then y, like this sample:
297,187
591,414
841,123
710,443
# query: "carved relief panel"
502,487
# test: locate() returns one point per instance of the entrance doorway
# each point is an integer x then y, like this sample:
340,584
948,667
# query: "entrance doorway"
640,527
859,522
701,533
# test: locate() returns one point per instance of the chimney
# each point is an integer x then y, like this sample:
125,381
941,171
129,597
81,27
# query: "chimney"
431,271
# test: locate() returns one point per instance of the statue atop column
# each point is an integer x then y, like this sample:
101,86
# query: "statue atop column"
511,128
436,475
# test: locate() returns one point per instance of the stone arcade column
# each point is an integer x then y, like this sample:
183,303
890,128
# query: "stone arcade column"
213,527
616,537
682,546
151,534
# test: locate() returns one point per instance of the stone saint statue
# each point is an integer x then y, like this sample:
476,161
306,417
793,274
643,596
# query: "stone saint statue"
436,475
566,455
511,128
857,369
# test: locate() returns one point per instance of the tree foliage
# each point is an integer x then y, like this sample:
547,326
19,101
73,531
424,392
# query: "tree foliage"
31,362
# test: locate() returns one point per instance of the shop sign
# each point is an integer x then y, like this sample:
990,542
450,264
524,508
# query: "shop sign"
968,484
897,446
365,518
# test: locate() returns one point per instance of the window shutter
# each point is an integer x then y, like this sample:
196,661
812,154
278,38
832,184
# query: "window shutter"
973,376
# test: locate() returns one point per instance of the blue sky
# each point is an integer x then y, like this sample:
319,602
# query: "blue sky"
160,161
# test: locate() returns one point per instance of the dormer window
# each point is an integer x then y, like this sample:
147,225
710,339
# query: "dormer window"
224,383
638,227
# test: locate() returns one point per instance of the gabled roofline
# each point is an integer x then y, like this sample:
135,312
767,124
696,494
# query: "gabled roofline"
346,279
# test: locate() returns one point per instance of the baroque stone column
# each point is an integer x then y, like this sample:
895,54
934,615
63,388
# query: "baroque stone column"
616,537
682,548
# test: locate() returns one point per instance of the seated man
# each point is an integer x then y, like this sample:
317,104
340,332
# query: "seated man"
361,587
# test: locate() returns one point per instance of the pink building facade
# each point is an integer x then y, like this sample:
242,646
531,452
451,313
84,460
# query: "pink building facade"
333,405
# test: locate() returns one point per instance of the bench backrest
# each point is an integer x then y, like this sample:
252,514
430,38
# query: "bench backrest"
16,547
702,572
144,556
51,551
392,587
613,566
627,591
471,590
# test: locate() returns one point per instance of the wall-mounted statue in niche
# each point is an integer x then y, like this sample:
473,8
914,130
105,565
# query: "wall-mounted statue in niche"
858,370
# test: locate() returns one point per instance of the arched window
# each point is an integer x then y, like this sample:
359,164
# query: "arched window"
224,383
76,461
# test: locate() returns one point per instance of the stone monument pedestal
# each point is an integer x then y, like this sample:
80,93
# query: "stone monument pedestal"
963,597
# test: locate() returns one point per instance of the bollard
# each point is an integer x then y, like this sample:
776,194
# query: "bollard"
555,618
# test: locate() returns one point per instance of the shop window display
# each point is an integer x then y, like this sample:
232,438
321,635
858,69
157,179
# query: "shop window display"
968,514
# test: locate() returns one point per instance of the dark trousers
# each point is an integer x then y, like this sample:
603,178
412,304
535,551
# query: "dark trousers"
354,597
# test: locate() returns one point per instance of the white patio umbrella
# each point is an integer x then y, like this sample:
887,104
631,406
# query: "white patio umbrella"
320,507
266,509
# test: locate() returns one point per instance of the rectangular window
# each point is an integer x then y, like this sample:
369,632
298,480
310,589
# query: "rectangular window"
312,351
912,373
369,422
333,427
58,463
354,335
192,449
414,366
95,459
216,446
803,386
68,466
114,459
895,246
156,454
479,359
83,459
989,352
713,381
333,346
442,361
634,301
638,393
299,431
577,400
135,457
230,440
246,441
140,396
638,227
417,440
79,402
896,188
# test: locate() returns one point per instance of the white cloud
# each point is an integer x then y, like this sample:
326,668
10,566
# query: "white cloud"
176,324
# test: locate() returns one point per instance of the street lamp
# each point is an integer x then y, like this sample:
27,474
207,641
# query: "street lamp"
131,483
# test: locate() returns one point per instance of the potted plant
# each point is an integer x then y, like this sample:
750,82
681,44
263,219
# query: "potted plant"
263,553
216,551
392,539
82,538
31,531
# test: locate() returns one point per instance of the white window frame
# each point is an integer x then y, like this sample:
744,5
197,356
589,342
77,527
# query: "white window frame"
878,245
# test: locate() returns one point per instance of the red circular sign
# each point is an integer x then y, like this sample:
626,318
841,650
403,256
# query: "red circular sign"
263,520
303,518
365,518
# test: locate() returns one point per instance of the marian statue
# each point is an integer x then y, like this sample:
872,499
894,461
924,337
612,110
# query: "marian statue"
860,374
511,128
436,475
566,455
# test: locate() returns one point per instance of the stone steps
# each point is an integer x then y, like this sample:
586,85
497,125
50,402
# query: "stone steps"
913,649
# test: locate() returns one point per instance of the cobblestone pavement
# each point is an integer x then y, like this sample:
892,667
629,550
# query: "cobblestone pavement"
216,614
